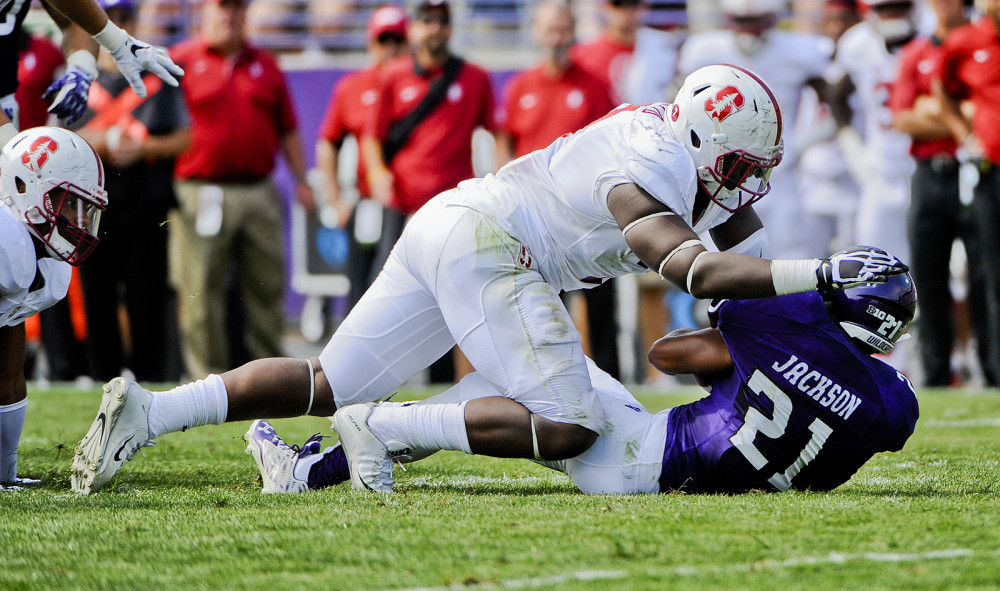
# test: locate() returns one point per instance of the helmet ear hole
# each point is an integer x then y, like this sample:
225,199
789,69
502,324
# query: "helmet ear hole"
695,140
21,186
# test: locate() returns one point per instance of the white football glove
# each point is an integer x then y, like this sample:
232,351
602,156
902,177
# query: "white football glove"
858,266
69,93
133,56
11,109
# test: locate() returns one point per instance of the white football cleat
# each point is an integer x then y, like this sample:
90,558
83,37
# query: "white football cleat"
367,457
276,460
120,429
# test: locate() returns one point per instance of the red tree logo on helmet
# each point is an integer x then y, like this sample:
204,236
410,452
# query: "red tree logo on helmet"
38,153
725,102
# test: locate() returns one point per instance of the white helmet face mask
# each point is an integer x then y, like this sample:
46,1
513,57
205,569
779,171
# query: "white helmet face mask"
730,123
750,21
53,180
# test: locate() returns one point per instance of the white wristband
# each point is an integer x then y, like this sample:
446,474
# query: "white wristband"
111,37
7,133
794,276
83,60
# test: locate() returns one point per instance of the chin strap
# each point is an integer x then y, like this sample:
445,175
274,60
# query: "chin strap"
312,386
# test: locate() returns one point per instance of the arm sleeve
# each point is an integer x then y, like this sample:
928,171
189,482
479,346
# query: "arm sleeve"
488,115
332,128
17,257
949,60
286,111
903,94
380,115
651,159
507,104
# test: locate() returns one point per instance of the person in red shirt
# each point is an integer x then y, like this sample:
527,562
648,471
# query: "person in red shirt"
553,98
38,63
936,215
437,153
609,57
229,215
610,54
970,60
349,109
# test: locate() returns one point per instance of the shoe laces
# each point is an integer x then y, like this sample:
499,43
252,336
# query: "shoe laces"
310,446
138,450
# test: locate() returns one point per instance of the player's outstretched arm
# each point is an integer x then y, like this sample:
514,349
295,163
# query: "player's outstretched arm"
131,55
663,241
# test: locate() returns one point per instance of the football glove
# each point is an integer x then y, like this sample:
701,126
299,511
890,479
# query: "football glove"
133,56
69,93
858,266
10,108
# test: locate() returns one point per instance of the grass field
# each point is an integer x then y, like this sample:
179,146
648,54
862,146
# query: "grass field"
190,516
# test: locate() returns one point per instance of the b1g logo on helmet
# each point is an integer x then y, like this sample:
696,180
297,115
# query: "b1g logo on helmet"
38,153
725,102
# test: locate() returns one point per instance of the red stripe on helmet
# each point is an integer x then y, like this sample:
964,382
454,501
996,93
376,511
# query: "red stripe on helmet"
770,95
100,165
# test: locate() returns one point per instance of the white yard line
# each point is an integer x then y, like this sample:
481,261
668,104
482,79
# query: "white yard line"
694,570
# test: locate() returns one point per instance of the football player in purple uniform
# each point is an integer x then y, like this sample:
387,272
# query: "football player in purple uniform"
796,401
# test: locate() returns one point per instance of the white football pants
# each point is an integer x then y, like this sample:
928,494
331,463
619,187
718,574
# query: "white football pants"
626,459
456,276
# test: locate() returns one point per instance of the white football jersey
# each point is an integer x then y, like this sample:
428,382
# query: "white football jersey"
18,269
785,62
554,200
862,54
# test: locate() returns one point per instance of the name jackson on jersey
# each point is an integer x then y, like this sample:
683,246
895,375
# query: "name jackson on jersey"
818,386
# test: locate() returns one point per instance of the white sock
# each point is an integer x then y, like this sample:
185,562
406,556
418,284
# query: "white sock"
202,402
422,426
11,425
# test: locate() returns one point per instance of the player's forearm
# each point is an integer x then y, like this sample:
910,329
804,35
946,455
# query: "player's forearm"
168,145
291,147
326,160
85,13
726,275
920,126
951,113
371,153
694,352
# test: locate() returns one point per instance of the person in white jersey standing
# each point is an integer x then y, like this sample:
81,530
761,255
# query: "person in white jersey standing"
51,199
482,266
879,155
789,61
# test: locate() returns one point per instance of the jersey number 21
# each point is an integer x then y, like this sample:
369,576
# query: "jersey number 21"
774,427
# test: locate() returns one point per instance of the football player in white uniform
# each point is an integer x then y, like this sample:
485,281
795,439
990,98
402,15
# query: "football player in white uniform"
52,187
880,158
788,61
482,266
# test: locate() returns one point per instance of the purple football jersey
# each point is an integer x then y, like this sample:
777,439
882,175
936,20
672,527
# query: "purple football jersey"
803,408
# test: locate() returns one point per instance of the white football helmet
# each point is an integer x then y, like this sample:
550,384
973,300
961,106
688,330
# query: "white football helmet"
750,21
730,123
54,181
893,20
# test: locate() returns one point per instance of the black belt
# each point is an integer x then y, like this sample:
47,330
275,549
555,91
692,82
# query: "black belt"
940,164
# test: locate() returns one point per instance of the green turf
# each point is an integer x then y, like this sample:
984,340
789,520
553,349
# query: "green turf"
190,516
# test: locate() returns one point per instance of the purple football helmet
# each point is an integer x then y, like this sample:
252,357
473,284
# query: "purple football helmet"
874,315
